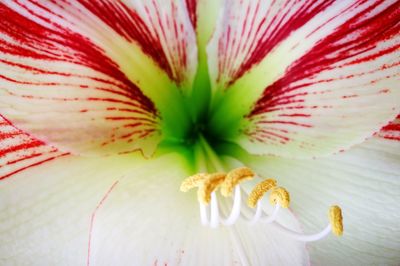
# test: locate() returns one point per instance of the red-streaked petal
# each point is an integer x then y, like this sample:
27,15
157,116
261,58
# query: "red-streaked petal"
192,10
60,84
391,131
323,74
161,29
248,31
20,152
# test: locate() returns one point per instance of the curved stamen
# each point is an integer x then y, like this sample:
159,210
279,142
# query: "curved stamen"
273,216
257,215
269,219
259,190
301,237
233,178
208,184
235,213
280,196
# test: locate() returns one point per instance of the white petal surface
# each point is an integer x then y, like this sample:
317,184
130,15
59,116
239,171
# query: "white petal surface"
308,77
365,182
147,221
45,211
130,211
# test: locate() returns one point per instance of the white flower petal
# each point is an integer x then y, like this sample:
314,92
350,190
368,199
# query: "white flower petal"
131,212
365,182
45,210
114,67
309,77
148,221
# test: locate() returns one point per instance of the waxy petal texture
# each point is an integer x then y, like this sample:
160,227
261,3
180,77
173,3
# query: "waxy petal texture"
126,211
147,221
81,78
20,152
365,182
310,78
46,210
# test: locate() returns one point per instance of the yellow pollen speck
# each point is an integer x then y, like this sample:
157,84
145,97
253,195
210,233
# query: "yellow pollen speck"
192,182
259,190
336,220
281,196
210,183
233,178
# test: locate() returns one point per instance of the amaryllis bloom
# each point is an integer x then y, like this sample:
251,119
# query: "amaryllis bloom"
172,132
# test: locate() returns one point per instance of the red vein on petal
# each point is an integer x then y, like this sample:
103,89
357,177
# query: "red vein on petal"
93,215
19,151
356,41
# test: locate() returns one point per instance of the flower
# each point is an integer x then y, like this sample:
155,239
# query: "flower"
303,92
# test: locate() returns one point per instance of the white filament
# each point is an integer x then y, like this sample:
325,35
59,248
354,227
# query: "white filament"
214,211
273,216
203,214
215,218
304,238
257,215
235,213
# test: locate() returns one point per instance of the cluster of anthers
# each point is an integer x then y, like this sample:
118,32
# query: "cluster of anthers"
228,184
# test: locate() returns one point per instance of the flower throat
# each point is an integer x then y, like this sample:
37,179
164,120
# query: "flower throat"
227,207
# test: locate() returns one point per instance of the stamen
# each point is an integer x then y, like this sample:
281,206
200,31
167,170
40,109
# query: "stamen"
336,220
234,177
280,196
192,182
209,184
301,237
335,225
259,190
273,216
268,219
257,215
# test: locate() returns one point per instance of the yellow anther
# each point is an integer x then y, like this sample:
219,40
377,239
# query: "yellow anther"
259,190
336,220
192,182
210,183
233,178
280,196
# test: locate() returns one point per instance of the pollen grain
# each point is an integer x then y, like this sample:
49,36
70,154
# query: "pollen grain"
192,182
280,196
233,178
336,220
209,184
259,190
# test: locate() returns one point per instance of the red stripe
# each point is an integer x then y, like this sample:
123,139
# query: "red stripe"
20,152
192,9
38,42
391,131
31,165
367,34
280,31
